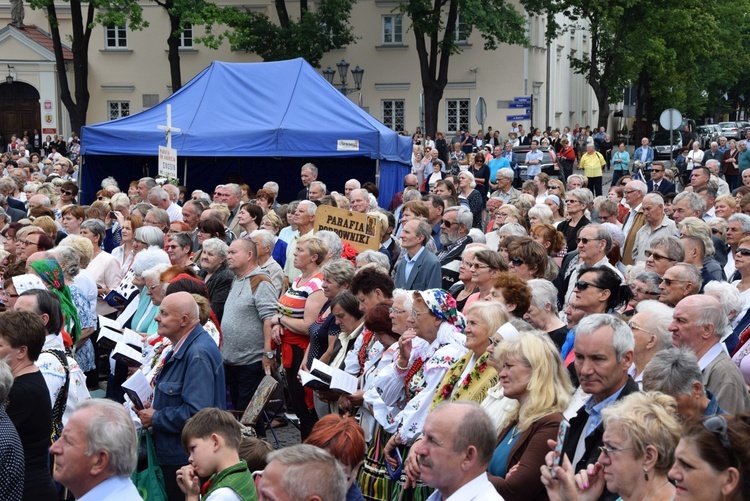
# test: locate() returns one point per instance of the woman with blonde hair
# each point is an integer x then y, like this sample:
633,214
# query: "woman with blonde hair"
532,373
725,206
540,214
640,438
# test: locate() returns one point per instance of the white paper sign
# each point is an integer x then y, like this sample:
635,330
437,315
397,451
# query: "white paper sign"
167,162
347,145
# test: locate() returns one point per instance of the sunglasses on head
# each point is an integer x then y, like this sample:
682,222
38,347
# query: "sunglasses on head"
719,427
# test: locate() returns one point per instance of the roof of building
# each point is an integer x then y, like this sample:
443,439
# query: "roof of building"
41,37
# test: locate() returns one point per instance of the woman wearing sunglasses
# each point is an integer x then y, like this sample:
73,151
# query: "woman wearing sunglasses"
742,264
711,460
640,437
600,290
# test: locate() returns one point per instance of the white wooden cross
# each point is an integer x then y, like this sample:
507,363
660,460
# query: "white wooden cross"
168,129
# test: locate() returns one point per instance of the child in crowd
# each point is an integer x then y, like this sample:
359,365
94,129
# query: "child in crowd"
212,439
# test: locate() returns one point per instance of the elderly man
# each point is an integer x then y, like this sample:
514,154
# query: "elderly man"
687,204
603,354
457,444
97,453
435,208
158,197
499,161
420,269
454,235
410,183
351,185
317,190
576,181
657,225
650,326
680,281
657,182
505,190
643,155
231,195
699,322
191,215
738,227
360,201
264,242
676,373
594,243
714,166
192,378
302,473
144,186
708,193
308,174
246,324
304,218
634,220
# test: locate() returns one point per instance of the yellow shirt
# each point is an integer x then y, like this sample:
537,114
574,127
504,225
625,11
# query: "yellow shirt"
591,163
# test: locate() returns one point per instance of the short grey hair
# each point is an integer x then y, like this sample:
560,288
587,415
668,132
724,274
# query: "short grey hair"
234,188
373,257
710,313
673,371
424,230
148,258
654,197
622,336
220,247
474,429
513,229
161,216
96,226
311,207
728,295
321,185
272,186
543,292
602,233
408,298
110,429
357,184
312,168
659,318
689,273
340,271
463,216
583,195
650,278
472,181
308,461
267,238
150,181
640,186
151,235
155,271
671,245
68,258
695,202
6,381
505,172
744,220
335,245
410,195
160,194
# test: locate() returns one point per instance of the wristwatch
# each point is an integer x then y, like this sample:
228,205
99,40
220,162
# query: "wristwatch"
270,355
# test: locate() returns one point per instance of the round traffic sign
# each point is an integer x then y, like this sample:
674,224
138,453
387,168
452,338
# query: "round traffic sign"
670,119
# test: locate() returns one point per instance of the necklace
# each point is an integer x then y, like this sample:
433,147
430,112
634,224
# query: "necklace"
514,432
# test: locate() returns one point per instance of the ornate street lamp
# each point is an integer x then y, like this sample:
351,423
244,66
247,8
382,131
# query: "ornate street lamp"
343,68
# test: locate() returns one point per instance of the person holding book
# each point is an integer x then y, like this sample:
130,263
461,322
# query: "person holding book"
212,440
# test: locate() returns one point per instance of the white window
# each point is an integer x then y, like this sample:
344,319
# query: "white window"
462,30
458,114
393,30
118,109
116,37
393,114
186,37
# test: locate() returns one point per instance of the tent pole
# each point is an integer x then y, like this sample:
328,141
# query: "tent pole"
377,172
184,175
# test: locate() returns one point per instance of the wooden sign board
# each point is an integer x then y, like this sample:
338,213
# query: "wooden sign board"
360,230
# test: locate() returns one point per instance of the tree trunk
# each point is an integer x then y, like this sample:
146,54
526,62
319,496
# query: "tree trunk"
432,97
603,100
173,42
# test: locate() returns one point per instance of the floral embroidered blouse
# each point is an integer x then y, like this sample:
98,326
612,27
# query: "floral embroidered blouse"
471,385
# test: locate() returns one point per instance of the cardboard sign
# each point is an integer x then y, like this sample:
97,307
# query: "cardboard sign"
362,232
167,162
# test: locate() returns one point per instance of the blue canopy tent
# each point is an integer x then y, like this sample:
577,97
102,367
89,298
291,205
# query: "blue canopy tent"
260,121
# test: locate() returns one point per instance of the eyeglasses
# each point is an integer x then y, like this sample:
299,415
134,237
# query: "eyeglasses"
395,311
607,451
416,315
582,285
669,281
152,287
516,261
718,426
448,224
573,201
628,192
495,341
714,231
657,170
27,242
635,327
479,266
66,192
553,187
742,252
139,242
173,247
585,241
657,257
639,290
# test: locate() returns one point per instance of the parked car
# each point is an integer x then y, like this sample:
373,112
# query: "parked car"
708,134
660,143
548,165
731,130
745,126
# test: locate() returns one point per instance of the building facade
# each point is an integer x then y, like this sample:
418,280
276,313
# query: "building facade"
129,72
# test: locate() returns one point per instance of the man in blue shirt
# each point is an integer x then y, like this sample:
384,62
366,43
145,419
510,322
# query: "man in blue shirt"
534,160
498,162
420,269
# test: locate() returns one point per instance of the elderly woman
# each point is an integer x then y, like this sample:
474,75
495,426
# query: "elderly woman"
298,309
104,268
179,248
126,251
148,236
31,239
577,203
22,337
467,191
592,162
272,222
644,286
542,312
72,217
600,290
528,259
640,439
650,326
540,213
711,459
695,156
511,291
11,449
215,273
533,375
725,206
484,268
427,351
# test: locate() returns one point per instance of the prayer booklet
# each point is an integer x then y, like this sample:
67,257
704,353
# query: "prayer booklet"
325,377
138,389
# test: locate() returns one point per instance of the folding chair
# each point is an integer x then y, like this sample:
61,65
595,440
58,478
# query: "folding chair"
257,406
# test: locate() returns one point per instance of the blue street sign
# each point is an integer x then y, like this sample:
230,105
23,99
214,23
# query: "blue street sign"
514,118
525,100
518,105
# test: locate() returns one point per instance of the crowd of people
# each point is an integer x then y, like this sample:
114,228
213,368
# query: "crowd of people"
492,321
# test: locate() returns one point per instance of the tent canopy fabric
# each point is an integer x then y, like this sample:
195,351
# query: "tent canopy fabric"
274,109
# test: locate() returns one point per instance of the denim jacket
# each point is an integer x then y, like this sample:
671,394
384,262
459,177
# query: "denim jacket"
191,380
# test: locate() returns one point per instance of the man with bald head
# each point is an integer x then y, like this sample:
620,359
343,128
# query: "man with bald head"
191,379
698,324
